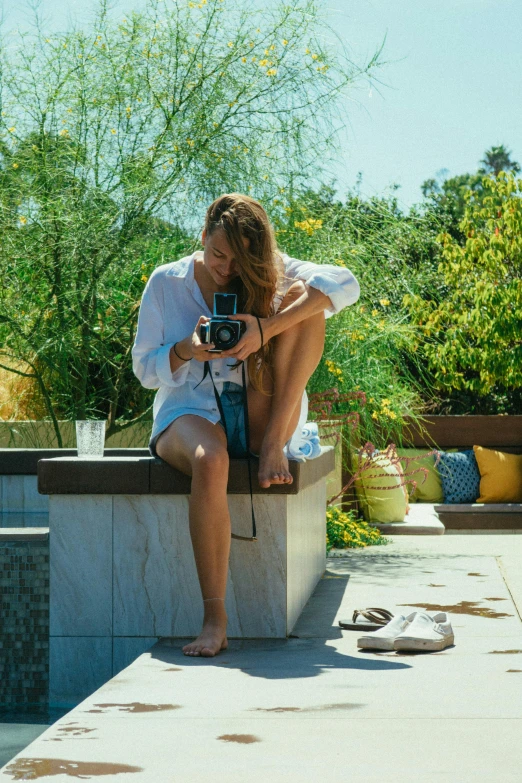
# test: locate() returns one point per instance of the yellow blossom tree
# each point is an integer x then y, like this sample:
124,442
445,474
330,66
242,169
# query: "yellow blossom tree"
113,136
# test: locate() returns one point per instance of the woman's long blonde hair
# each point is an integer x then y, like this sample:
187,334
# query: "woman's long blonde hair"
260,267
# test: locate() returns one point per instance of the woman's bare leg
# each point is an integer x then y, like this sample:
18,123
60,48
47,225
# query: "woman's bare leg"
273,420
199,449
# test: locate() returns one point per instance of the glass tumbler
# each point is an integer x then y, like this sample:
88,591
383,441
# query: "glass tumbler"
90,437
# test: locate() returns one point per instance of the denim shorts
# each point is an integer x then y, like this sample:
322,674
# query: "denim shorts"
232,402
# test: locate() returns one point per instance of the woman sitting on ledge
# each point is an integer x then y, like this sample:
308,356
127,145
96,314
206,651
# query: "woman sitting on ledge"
281,348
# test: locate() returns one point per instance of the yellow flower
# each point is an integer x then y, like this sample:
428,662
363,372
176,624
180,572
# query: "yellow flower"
230,44
385,402
113,131
309,225
11,130
375,415
285,42
362,308
15,165
144,278
190,142
243,59
307,51
23,220
375,312
271,72
314,57
392,415
64,132
384,302
263,62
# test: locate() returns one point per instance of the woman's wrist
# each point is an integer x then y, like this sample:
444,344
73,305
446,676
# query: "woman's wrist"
183,349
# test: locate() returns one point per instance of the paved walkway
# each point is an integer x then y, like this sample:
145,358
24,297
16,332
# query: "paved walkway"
313,707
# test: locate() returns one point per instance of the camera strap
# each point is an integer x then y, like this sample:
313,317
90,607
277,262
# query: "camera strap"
208,371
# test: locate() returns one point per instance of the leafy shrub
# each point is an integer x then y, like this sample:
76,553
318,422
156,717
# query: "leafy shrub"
344,530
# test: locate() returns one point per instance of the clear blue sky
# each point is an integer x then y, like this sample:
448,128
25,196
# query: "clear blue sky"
452,88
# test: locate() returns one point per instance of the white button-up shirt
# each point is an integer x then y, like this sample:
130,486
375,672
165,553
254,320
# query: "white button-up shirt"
171,306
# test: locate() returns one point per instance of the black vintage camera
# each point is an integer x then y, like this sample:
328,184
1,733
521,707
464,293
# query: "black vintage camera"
220,330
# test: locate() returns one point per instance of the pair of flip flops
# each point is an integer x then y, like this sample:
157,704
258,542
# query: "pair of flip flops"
370,619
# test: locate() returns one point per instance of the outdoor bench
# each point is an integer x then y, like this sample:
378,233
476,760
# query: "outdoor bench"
122,570
500,433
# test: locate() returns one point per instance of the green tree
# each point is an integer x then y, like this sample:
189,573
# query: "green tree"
472,337
112,142
498,159
446,197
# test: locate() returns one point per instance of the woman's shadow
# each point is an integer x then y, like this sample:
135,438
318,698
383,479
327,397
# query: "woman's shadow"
315,645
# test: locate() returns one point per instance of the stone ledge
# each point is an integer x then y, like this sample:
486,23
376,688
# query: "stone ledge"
136,475
23,534
478,508
24,462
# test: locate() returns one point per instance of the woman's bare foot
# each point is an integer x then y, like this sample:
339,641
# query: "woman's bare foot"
213,636
273,465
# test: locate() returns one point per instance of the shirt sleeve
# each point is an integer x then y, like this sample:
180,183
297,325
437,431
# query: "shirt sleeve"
150,355
337,282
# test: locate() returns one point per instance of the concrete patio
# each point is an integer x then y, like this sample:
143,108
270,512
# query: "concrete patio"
314,708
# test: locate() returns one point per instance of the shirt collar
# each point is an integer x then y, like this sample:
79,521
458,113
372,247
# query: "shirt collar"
184,268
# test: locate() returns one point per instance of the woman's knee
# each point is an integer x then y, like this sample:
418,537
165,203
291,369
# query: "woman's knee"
210,461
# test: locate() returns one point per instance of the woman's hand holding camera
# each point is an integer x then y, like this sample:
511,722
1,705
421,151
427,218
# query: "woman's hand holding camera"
250,341
200,351
191,348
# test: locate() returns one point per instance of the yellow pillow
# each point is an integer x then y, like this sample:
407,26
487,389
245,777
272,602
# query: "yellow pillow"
500,476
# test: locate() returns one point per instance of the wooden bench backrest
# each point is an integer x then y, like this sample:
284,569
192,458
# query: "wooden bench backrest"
503,433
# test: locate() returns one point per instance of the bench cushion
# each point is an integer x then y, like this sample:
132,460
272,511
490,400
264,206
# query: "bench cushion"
500,476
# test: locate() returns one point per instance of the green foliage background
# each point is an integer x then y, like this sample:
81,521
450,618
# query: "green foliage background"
113,140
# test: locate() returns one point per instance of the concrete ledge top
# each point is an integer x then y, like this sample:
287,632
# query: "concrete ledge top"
24,462
140,475
478,508
8,534
422,519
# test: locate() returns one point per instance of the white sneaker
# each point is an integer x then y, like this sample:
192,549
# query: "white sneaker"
426,632
384,638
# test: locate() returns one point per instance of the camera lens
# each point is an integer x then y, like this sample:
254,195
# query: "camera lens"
224,334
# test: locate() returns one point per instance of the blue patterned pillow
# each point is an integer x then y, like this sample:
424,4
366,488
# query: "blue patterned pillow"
460,476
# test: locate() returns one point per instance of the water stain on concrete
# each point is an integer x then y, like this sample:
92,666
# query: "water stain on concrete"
174,669
495,599
137,706
243,739
432,585
504,652
514,670
319,708
464,607
475,573
34,768
74,730
93,710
